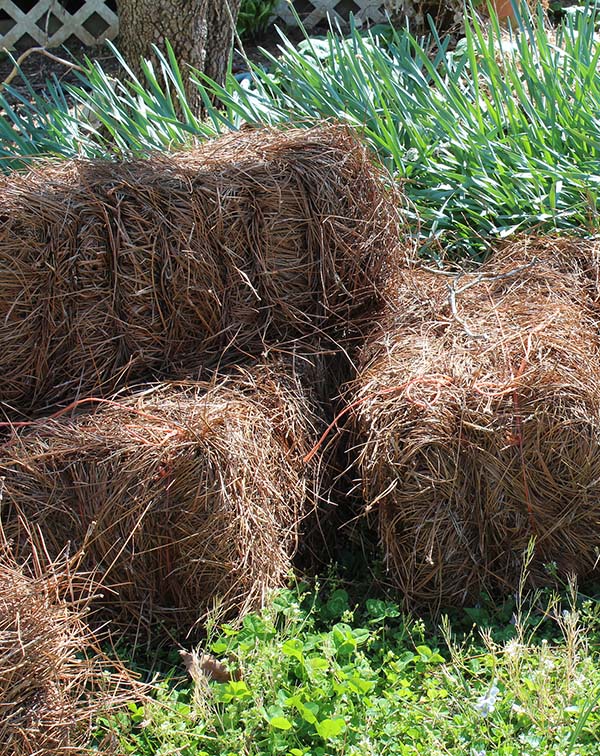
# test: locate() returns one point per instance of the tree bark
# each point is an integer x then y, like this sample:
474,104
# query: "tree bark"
219,39
200,32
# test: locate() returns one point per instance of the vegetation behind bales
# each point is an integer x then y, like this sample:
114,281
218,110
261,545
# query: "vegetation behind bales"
495,136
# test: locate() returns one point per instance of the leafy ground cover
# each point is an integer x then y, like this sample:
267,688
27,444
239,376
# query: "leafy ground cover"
316,675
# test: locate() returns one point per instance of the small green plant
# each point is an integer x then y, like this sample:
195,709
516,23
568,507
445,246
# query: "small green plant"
254,17
314,675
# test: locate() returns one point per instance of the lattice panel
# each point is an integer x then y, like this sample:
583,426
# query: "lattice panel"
314,12
49,23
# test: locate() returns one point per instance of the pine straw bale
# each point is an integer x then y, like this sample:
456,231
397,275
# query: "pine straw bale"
111,270
476,421
578,256
51,687
180,495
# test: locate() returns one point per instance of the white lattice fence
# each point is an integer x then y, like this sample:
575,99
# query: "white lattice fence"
51,23
313,12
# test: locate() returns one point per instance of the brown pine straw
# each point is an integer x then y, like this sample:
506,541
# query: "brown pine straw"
476,422
110,272
54,682
183,496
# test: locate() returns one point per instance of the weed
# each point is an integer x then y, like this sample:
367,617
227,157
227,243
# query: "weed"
313,675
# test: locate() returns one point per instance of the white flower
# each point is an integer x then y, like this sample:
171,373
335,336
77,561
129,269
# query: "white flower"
486,704
513,648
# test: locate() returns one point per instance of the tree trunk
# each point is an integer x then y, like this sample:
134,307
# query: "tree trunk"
220,37
200,32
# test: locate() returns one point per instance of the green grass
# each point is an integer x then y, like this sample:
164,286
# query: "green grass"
498,136
321,677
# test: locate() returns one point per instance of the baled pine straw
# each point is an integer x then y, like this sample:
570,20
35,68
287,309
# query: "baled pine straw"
183,497
53,683
576,256
111,270
476,420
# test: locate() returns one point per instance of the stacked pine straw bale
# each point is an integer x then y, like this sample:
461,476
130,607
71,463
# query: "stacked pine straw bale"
180,495
112,271
50,688
476,422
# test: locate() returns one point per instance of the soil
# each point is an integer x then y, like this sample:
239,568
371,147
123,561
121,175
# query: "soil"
38,68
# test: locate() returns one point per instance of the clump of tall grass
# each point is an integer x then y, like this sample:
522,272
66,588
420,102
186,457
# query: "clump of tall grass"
496,136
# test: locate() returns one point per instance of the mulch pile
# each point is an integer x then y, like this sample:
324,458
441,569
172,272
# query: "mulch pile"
50,690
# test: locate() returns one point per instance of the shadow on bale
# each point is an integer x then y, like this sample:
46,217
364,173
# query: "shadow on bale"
182,496
476,427
51,688
110,272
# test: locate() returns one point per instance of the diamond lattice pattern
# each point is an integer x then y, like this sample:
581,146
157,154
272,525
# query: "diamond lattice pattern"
313,12
50,24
